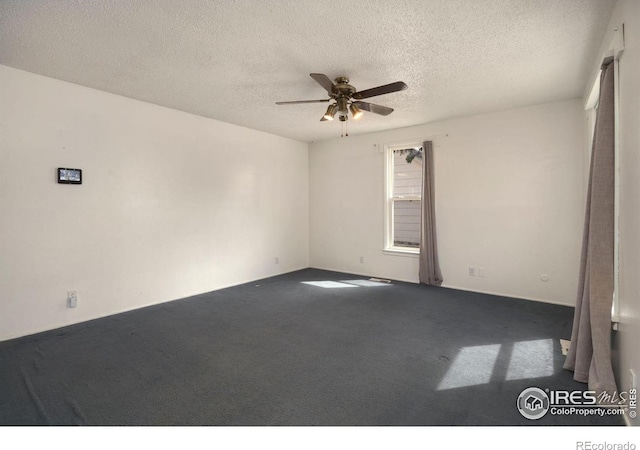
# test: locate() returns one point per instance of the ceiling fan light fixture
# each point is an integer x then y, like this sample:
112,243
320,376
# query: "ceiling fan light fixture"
331,111
357,113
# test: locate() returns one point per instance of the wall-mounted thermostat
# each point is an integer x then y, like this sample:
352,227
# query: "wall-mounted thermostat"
69,176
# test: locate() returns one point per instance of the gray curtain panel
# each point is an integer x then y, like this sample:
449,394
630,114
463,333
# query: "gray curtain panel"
429,267
590,351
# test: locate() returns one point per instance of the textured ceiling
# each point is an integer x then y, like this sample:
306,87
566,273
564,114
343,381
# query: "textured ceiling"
231,60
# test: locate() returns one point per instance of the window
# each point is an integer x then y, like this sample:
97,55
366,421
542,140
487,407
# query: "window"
403,197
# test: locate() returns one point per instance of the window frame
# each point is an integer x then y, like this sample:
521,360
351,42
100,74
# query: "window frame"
388,242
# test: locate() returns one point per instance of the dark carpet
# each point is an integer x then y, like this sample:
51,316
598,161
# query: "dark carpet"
280,352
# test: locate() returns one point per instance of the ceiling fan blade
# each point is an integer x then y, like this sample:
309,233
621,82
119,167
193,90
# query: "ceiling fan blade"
323,81
380,90
382,110
303,101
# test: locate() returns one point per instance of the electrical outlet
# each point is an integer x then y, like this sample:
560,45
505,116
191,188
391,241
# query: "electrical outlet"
72,299
472,271
362,260
277,260
482,272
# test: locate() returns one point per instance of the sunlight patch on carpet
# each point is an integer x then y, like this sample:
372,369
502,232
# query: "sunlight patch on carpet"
346,284
329,284
366,283
471,366
531,359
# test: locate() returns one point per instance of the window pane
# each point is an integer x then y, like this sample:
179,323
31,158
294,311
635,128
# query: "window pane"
407,176
406,223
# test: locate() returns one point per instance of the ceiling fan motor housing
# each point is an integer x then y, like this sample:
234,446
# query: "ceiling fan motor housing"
342,93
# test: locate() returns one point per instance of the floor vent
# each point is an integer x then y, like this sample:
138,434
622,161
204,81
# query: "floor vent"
379,280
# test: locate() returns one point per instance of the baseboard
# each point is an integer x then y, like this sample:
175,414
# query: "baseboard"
498,294
146,305
448,286
225,286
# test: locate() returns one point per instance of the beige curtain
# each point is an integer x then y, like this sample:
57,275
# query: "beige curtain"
429,266
590,351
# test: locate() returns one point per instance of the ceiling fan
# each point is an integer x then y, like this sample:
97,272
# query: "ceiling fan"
345,98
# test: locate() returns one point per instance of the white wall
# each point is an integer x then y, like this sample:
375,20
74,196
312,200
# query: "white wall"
509,195
171,205
626,340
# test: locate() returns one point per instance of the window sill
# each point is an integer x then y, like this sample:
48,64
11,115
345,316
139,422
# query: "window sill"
401,252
